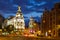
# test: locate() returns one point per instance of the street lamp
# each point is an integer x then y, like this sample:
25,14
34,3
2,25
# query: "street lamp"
43,21
49,31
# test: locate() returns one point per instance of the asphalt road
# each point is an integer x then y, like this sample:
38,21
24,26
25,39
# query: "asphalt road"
25,38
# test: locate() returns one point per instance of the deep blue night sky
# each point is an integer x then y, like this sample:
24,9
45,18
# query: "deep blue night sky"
29,8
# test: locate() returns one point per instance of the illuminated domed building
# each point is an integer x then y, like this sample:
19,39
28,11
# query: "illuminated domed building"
33,26
31,23
17,21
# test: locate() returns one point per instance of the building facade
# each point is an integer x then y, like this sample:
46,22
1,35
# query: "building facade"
17,21
51,21
33,26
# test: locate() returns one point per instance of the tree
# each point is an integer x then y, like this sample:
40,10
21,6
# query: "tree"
10,28
1,20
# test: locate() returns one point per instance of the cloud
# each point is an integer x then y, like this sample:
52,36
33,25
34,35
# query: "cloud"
28,7
33,14
42,3
15,5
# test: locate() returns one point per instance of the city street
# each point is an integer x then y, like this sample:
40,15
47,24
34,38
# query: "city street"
25,38
29,19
